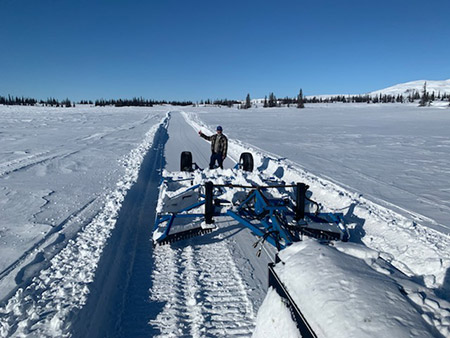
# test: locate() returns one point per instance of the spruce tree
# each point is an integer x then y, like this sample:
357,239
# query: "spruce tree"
424,99
272,100
248,102
300,103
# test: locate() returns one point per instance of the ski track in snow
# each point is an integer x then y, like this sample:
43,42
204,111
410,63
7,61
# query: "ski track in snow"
203,292
42,309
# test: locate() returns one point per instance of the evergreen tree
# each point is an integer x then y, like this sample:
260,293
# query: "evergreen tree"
66,103
265,102
424,99
300,103
272,100
248,102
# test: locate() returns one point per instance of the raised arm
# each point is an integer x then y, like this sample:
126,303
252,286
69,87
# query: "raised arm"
204,136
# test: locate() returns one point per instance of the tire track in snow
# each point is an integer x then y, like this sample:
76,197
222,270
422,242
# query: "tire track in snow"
30,161
26,162
39,255
203,291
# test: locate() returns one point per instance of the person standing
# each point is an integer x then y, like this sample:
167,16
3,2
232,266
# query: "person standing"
219,147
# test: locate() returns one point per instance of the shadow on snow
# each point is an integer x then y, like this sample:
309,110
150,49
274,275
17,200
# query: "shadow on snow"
119,304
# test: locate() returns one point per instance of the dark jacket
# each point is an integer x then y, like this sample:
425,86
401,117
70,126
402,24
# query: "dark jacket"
222,145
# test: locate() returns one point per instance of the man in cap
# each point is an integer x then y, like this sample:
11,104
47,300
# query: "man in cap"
219,146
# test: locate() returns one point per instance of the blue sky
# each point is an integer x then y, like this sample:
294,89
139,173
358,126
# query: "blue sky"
198,49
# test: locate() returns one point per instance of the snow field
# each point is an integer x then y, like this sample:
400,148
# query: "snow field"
202,283
396,155
56,168
415,249
44,307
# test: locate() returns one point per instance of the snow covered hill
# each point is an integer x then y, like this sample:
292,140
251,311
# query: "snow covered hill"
415,86
436,87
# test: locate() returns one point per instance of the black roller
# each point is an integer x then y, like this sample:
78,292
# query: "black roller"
300,191
186,161
209,206
246,161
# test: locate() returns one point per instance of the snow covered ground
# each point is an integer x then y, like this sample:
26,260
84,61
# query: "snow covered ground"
63,175
391,158
346,290
397,155
66,174
416,250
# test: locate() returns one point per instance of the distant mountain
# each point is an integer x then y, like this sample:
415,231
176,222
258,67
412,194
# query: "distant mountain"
409,87
400,89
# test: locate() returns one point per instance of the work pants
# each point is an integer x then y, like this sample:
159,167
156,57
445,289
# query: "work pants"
216,157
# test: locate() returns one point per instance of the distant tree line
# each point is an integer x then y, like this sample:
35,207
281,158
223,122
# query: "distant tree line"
269,101
424,99
26,101
52,102
219,102
299,101
272,101
86,102
139,102
380,98
17,101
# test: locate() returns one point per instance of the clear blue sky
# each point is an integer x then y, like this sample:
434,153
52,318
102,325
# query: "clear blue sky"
198,49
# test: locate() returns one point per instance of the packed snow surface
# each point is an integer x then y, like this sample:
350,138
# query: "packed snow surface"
417,251
274,318
348,292
66,172
397,155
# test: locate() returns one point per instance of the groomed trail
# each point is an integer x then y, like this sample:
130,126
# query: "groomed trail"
110,281
203,286
210,285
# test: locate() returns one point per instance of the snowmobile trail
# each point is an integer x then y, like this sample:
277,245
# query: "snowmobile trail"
77,290
208,285
118,305
204,286
110,281
202,289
